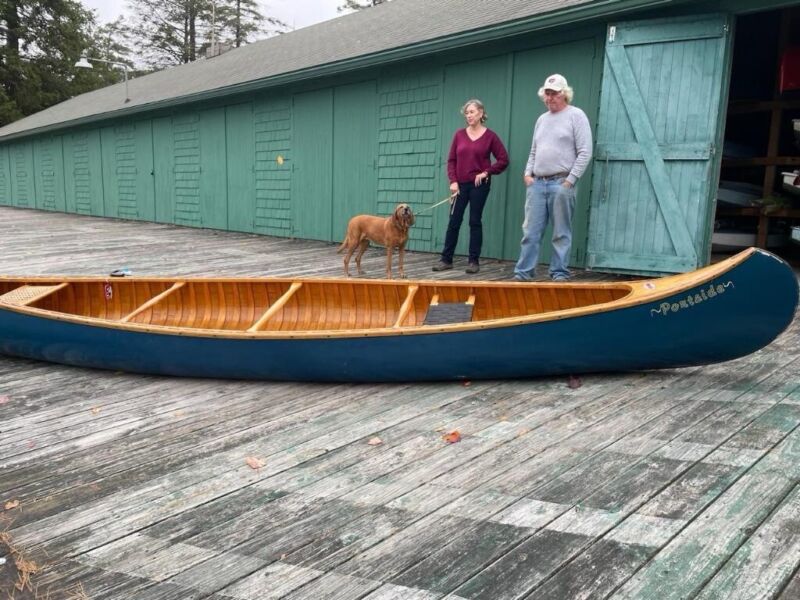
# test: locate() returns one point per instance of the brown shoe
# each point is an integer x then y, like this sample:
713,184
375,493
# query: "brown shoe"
442,266
472,268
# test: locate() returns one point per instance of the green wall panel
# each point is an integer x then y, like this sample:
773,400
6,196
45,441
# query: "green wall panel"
312,165
23,185
128,171
577,61
409,110
487,80
164,170
83,173
5,178
240,156
49,164
213,192
273,165
355,150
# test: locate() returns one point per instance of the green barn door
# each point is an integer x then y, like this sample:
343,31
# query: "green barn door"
312,165
23,183
486,80
49,162
355,150
213,190
656,164
164,169
83,173
241,156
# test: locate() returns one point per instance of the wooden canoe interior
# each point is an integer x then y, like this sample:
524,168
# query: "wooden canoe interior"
261,305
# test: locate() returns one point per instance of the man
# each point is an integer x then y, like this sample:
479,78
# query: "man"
560,152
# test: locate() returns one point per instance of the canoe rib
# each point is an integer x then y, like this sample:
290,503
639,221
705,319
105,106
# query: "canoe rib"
273,310
28,294
152,302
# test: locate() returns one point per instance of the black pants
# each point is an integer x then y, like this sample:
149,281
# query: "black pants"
468,193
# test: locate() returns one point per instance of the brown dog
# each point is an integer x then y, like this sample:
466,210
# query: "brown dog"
388,231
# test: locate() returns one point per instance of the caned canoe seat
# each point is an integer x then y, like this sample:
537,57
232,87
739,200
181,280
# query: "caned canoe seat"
442,313
28,294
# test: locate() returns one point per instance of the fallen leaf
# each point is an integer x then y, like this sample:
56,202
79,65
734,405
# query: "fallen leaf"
467,383
4,399
96,409
574,382
376,441
31,444
11,504
254,463
452,437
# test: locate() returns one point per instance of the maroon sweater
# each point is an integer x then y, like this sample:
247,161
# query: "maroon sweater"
468,158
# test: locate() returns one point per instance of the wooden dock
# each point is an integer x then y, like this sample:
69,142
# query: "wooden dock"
673,484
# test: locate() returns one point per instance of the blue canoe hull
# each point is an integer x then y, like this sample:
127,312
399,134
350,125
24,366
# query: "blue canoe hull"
729,316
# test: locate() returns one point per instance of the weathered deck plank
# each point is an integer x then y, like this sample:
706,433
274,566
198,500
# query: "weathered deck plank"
679,483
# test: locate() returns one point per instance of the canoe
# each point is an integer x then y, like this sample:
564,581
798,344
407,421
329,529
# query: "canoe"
380,330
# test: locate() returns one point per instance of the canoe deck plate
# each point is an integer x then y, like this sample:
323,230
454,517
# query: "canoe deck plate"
448,312
21,296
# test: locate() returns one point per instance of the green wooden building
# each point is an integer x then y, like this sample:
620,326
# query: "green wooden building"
293,135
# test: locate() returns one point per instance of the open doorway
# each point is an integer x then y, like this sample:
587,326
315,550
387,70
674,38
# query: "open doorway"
758,202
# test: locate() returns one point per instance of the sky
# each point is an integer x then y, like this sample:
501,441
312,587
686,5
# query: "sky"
296,13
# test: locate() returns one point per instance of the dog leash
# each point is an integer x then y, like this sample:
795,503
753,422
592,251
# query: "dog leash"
450,199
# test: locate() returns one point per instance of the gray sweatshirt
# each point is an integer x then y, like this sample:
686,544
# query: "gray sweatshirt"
562,143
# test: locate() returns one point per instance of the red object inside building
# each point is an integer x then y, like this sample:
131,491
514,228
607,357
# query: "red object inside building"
790,69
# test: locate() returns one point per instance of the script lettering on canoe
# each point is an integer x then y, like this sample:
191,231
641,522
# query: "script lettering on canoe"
705,294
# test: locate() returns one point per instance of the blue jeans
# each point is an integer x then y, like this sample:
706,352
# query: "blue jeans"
546,199
476,198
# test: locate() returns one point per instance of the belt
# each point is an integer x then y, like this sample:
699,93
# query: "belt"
550,177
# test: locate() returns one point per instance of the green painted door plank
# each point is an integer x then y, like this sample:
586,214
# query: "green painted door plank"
163,170
49,173
241,153
144,161
580,61
213,190
486,80
670,30
355,152
646,139
23,182
83,173
312,165
673,151
5,177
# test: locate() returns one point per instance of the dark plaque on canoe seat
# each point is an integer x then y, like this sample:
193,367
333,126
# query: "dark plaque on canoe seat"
448,312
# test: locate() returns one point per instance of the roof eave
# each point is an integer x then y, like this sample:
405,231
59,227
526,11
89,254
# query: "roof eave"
586,12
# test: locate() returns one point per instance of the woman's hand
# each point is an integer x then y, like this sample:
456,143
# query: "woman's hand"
528,180
480,178
567,184
453,188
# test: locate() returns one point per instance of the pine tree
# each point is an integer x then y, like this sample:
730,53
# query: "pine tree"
41,40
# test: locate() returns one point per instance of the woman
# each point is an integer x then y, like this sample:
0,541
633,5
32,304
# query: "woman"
469,169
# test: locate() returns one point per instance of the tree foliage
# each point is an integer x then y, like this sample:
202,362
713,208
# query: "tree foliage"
41,41
171,32
357,5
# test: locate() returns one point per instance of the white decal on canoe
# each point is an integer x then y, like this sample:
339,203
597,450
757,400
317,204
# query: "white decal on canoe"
705,294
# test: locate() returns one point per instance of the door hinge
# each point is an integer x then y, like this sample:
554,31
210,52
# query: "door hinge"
612,33
712,149
726,28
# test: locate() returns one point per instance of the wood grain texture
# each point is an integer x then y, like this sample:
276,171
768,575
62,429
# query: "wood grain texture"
666,484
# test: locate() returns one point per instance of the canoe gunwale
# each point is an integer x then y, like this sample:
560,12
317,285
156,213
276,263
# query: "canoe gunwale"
639,292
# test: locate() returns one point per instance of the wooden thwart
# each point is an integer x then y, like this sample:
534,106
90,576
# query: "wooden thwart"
153,301
272,310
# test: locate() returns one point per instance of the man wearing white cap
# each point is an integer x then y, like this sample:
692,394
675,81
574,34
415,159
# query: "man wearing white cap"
560,152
